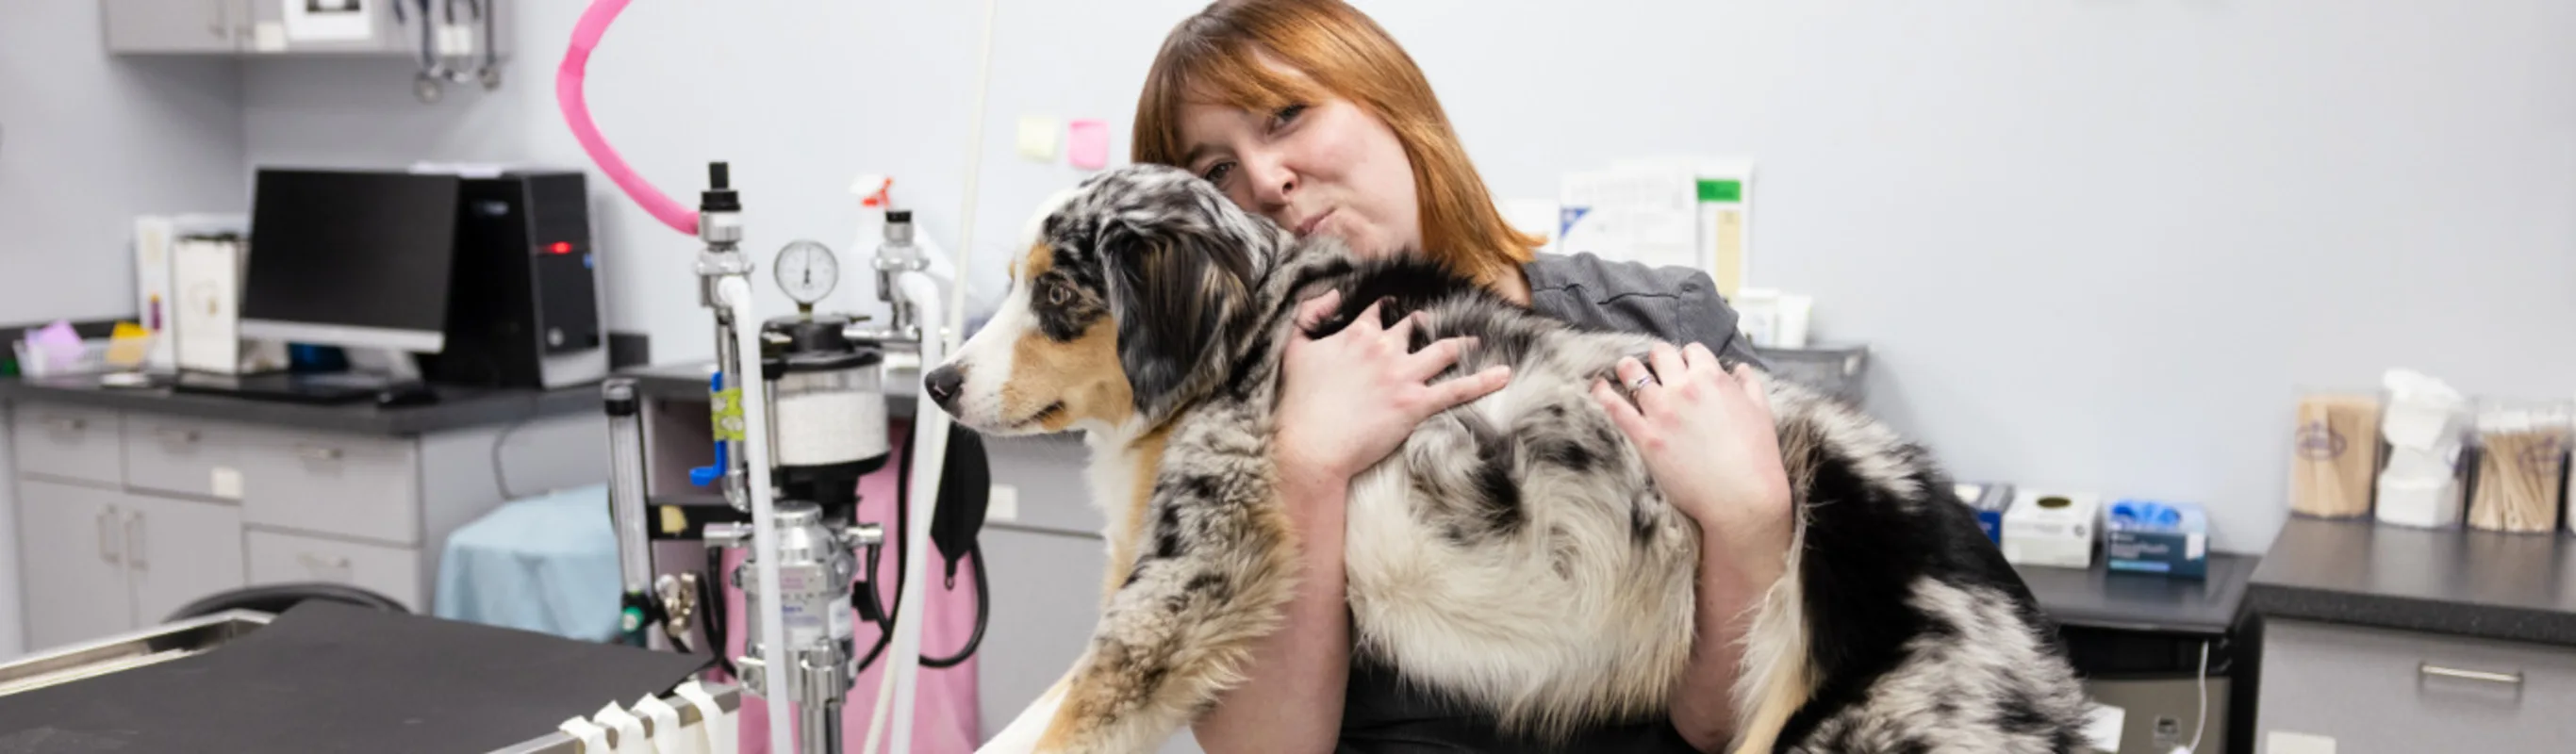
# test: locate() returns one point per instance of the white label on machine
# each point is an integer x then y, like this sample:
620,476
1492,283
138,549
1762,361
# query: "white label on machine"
1004,504
2285,742
226,483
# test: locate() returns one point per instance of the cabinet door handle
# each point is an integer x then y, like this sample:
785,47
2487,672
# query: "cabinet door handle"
223,27
181,436
107,549
2426,668
317,453
134,540
66,424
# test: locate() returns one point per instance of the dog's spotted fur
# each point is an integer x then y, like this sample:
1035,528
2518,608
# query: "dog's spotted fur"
1514,553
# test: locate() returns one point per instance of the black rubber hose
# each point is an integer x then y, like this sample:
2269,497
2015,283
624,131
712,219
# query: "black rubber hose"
902,521
983,614
712,596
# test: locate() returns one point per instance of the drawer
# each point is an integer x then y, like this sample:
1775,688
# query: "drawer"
68,442
2377,690
278,558
184,456
350,485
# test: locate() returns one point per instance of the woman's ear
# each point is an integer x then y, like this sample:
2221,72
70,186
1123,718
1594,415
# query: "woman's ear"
1180,297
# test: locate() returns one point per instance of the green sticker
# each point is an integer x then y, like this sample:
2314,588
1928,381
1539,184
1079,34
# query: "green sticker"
726,405
1721,190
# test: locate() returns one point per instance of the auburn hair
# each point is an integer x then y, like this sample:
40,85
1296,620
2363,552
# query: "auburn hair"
1214,57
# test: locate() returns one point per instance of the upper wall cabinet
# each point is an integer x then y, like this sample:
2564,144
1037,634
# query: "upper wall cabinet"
455,29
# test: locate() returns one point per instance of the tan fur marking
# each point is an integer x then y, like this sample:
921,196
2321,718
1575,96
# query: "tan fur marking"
1148,452
1082,374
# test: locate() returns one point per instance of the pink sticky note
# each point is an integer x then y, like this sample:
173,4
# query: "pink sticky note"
1090,147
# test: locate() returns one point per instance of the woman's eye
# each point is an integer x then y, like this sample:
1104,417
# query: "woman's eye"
1288,114
1216,173
1057,295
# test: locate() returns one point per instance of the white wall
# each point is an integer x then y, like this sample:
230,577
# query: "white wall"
2015,204
88,141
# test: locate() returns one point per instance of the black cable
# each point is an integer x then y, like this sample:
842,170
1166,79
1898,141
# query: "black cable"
902,515
712,594
983,614
501,480
975,556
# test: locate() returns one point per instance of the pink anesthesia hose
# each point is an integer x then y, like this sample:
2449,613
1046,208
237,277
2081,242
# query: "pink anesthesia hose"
568,80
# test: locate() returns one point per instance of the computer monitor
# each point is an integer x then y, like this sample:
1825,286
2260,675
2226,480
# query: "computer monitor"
357,259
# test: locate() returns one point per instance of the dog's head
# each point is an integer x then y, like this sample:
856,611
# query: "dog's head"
1130,297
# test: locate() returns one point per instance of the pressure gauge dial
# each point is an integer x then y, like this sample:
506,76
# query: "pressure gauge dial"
807,272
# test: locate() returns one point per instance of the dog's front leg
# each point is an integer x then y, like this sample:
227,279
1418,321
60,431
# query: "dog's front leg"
1178,633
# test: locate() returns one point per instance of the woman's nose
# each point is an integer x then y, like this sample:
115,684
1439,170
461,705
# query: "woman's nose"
1272,182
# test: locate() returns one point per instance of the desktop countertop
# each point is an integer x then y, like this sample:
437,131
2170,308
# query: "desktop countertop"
456,408
2098,598
2514,587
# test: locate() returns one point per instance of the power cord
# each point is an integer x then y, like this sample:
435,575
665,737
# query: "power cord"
2201,683
500,479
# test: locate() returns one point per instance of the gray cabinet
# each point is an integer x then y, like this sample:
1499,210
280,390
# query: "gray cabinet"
176,552
176,26
72,545
2375,690
128,515
291,27
100,561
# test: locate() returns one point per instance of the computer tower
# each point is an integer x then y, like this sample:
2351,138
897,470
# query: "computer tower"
524,306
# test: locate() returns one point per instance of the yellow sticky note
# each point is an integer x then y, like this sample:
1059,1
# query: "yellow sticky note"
1038,137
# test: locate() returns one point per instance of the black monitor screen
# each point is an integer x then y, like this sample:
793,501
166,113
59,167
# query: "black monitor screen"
364,249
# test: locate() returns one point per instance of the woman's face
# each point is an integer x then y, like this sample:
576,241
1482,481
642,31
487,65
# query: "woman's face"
1324,167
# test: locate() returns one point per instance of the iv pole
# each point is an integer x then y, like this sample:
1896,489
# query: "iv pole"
742,424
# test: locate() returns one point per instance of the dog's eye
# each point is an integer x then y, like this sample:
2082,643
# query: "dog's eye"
1057,295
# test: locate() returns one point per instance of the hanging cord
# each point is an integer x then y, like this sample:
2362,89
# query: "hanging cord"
2202,684
711,609
902,522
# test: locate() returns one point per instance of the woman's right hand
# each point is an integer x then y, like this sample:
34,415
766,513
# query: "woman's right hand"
1349,399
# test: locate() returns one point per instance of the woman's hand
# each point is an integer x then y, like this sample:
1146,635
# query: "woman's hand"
1348,400
1708,439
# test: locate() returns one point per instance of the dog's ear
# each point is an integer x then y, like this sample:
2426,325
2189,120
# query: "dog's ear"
1181,295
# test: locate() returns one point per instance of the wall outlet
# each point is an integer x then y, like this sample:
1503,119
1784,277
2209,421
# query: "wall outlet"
1004,505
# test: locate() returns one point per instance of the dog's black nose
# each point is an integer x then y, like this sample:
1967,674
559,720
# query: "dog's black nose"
943,385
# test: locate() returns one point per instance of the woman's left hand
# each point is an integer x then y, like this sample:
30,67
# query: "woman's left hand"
1708,439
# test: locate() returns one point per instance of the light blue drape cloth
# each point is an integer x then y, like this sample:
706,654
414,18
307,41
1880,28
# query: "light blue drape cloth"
545,564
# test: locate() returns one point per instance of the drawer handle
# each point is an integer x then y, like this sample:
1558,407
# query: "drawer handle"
179,435
321,567
317,453
107,549
2427,668
63,424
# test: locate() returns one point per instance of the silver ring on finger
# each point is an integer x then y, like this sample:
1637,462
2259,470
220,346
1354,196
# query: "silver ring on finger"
1641,382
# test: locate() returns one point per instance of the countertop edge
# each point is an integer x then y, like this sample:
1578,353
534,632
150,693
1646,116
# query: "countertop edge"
2464,619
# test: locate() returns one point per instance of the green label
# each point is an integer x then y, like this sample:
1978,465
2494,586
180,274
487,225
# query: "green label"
726,405
1721,190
